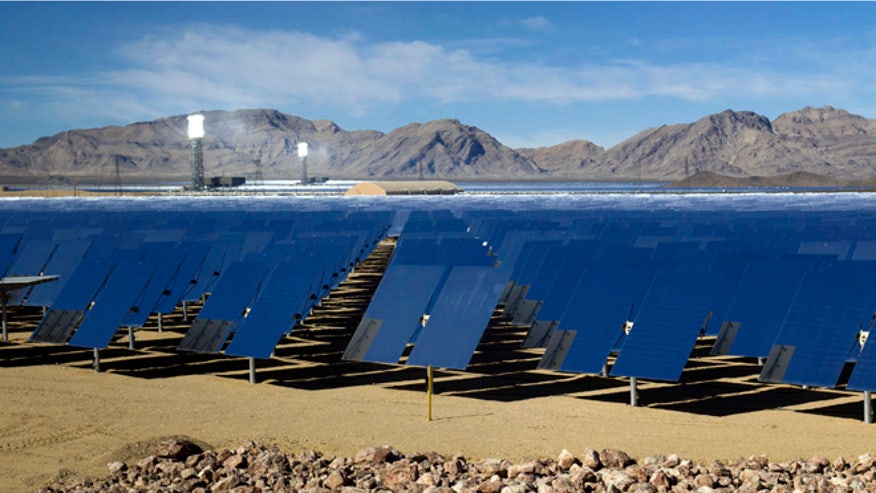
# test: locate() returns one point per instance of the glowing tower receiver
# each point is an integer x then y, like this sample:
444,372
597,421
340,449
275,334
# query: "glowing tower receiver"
196,135
302,154
196,126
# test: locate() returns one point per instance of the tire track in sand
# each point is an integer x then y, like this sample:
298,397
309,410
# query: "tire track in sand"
43,438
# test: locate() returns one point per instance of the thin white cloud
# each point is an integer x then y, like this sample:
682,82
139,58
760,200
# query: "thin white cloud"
71,100
225,63
228,67
537,24
15,105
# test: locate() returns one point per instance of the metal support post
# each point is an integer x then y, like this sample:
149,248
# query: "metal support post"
185,311
634,392
160,323
604,372
252,376
5,332
868,408
429,377
130,337
96,363
761,361
197,164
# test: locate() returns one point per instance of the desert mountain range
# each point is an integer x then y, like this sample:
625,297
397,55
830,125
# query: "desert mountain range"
821,141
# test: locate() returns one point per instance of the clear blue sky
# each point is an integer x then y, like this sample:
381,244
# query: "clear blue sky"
529,73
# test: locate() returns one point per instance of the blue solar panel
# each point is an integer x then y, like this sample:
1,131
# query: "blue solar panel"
539,265
459,317
185,277
822,325
256,242
39,229
864,374
30,261
337,256
457,252
759,305
234,291
83,284
605,299
8,244
626,256
166,261
571,267
273,313
224,251
395,313
32,258
620,233
432,221
465,251
839,248
325,271
112,304
516,241
63,263
727,269
101,247
530,260
223,310
131,241
669,237
864,250
549,270
667,326
328,260
162,235
673,249
561,273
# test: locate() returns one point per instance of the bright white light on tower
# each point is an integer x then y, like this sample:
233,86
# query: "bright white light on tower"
196,126
302,149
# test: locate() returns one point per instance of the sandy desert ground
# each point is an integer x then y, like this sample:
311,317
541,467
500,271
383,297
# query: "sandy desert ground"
61,418
58,192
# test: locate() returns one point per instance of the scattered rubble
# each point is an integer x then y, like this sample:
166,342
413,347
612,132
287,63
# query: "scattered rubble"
254,468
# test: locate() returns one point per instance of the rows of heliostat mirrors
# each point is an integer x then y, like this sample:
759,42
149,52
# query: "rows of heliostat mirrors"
637,288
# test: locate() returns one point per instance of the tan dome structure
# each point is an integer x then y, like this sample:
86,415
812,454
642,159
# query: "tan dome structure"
435,187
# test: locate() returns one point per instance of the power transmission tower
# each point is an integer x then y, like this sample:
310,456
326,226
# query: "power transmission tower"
259,178
118,179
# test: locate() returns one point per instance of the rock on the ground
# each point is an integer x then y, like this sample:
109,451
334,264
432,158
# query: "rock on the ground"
254,467
175,448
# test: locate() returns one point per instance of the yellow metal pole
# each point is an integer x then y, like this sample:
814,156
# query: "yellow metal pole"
429,390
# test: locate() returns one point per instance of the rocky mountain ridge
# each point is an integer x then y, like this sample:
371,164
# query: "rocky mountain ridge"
824,141
263,143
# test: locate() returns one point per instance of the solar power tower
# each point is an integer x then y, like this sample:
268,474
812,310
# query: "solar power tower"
302,155
196,135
